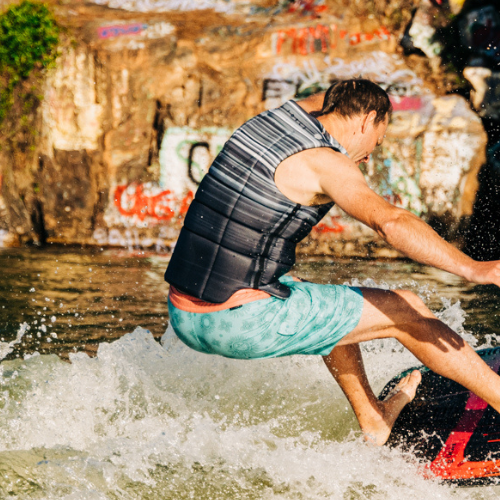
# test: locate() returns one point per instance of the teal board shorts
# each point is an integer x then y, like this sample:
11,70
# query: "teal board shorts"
311,321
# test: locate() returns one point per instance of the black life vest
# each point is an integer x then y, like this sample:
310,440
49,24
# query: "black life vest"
240,231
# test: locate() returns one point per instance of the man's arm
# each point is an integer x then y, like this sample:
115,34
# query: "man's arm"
343,182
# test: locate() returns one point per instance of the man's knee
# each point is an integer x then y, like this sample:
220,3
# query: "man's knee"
396,303
408,298
416,320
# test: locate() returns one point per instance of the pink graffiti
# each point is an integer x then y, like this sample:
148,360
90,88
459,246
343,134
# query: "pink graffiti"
132,201
121,30
304,40
333,227
406,103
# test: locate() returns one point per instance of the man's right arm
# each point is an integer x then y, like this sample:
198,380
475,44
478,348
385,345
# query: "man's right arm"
344,183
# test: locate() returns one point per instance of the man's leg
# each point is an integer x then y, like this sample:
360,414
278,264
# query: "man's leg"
375,417
403,316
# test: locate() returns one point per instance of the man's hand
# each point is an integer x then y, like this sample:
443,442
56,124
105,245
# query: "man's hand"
485,273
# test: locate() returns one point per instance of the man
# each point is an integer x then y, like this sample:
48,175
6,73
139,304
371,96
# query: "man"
275,178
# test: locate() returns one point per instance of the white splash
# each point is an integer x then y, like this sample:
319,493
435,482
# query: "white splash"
7,347
145,421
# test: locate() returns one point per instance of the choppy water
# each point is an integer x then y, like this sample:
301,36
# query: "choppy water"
142,421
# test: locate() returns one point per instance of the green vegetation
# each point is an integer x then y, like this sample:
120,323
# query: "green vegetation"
28,40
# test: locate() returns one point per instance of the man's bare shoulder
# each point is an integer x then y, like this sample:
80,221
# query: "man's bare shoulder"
312,103
299,177
317,161
325,160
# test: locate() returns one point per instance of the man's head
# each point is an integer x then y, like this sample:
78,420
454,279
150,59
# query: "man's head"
349,98
357,113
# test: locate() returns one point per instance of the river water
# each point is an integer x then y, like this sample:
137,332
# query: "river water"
94,407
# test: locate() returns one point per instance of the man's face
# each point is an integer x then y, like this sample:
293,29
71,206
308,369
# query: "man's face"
372,137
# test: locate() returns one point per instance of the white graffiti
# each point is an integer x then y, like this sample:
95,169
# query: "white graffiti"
446,157
167,5
186,155
377,66
307,75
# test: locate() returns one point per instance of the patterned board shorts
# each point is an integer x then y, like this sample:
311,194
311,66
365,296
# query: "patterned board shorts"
311,321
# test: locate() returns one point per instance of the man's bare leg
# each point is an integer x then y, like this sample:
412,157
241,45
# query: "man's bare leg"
403,316
375,417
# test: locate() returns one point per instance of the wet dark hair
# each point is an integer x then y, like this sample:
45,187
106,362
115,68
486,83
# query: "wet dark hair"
356,97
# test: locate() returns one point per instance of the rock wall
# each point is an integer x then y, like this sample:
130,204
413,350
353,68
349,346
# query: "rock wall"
479,58
138,107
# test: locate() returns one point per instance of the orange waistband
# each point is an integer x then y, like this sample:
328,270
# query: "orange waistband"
188,303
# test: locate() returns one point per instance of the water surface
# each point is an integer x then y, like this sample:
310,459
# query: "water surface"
139,420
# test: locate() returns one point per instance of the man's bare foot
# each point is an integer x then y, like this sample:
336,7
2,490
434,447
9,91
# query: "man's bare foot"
378,429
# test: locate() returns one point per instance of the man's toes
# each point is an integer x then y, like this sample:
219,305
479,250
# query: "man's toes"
407,385
411,382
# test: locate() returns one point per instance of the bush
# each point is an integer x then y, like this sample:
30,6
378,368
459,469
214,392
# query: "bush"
28,39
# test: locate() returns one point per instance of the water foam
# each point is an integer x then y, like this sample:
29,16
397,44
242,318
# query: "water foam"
144,421
7,347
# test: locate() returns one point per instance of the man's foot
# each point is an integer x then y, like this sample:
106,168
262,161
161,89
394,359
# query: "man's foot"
378,429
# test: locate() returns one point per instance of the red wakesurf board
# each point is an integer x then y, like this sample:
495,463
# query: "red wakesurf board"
454,432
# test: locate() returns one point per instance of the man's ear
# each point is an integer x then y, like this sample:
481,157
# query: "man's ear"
368,119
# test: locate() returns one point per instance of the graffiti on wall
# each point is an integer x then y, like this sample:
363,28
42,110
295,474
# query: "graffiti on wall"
302,41
276,91
394,172
143,201
355,38
411,116
151,31
447,156
121,30
307,7
331,224
186,154
406,103
145,205
287,79
321,38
